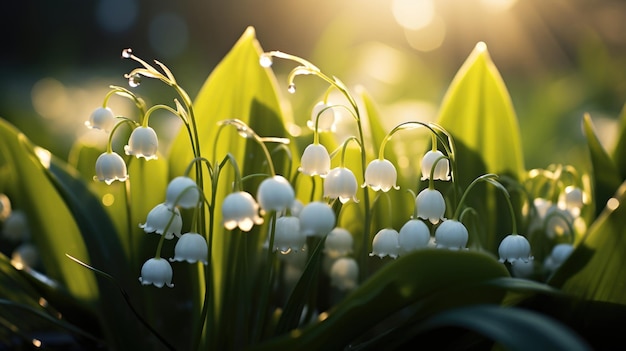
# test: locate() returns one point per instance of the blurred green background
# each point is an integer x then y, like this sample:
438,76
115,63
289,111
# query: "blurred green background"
559,58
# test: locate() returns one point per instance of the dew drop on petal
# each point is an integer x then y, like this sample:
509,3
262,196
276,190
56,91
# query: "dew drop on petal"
126,53
266,60
134,80
291,89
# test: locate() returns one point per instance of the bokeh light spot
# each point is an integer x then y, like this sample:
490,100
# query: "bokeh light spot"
116,16
427,38
413,14
108,199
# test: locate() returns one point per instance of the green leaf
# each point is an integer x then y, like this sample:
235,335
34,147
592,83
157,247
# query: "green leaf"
605,174
619,153
53,228
477,111
409,280
509,327
595,269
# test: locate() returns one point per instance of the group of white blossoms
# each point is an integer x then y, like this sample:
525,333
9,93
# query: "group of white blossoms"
295,221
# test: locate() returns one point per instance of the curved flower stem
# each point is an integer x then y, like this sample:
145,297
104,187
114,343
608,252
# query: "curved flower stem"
141,105
431,180
267,283
124,120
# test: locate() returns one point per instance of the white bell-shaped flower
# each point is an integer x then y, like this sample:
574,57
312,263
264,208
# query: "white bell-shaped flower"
159,218
287,235
558,222
413,235
326,121
385,243
101,118
191,247
339,242
110,167
25,255
315,160
239,209
341,183
523,269
430,205
381,175
442,169
182,192
514,248
539,211
344,273
143,142
451,234
572,200
15,228
316,219
275,194
156,271
559,254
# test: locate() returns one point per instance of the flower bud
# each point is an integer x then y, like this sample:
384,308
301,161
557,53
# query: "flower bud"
191,247
326,121
158,219
344,273
182,192
441,169
275,194
101,118
385,243
240,210
110,167
156,271
413,235
317,219
340,183
287,235
514,247
430,205
381,175
451,234
143,142
315,160
338,243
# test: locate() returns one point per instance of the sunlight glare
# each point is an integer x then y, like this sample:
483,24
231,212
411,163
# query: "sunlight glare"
427,38
413,14
498,5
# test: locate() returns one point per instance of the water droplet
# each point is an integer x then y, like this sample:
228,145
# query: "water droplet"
134,80
266,60
126,53
292,88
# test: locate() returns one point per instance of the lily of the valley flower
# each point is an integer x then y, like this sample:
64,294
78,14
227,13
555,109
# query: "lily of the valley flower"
451,234
158,219
101,118
559,254
191,247
315,160
338,243
572,200
287,236
413,235
156,271
110,167
15,228
182,192
513,248
385,243
442,169
326,121
275,194
381,175
316,219
344,273
239,209
430,205
340,183
143,142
